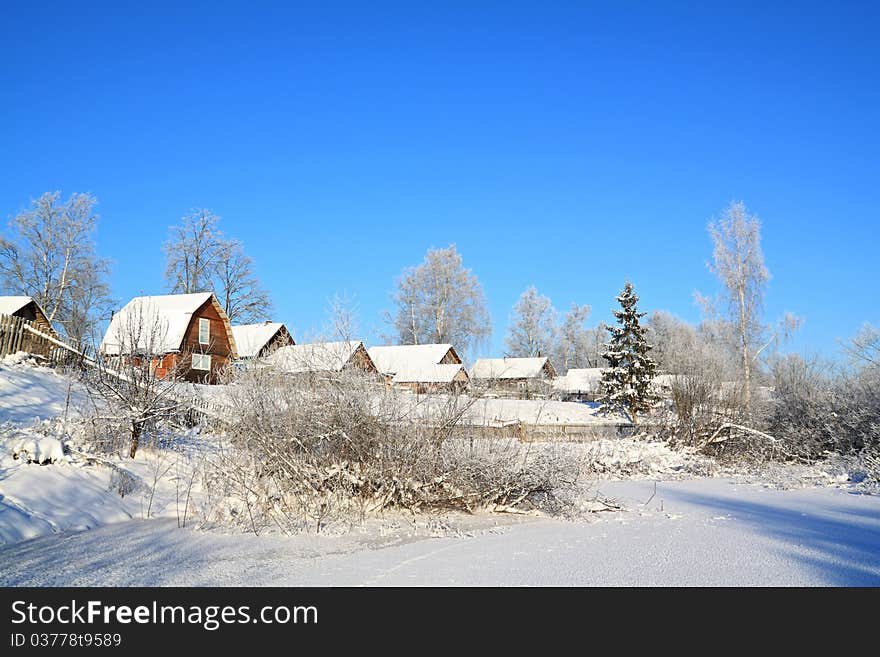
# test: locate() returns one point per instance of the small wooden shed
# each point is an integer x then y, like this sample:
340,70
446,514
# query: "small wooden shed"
322,357
259,340
28,309
425,378
390,360
516,377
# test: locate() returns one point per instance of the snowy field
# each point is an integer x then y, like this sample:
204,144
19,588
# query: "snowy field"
682,522
708,532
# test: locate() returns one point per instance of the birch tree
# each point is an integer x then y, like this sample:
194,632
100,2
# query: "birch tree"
738,262
574,339
51,257
532,329
192,253
342,318
199,258
439,301
237,286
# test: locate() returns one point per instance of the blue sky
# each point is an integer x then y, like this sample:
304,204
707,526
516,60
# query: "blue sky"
565,145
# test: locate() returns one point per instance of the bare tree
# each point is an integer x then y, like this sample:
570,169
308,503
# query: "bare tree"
864,348
574,339
237,287
52,259
192,252
441,301
532,330
342,321
128,378
739,264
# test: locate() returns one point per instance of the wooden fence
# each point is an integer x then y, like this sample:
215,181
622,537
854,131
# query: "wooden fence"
18,334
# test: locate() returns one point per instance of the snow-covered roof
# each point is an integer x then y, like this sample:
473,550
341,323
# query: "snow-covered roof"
251,338
315,357
666,380
430,373
509,368
584,379
157,323
11,305
394,359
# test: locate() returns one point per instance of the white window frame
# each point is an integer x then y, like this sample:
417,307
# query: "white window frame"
199,361
204,325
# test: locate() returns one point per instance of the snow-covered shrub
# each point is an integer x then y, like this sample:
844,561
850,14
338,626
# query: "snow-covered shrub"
303,448
125,483
38,449
814,413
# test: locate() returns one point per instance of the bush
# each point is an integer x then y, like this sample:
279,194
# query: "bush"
304,448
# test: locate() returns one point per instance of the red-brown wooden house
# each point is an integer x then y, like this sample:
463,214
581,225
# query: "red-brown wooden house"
187,336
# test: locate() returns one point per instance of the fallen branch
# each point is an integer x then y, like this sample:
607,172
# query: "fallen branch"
729,425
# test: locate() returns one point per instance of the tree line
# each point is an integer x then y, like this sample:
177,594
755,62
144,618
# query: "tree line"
49,253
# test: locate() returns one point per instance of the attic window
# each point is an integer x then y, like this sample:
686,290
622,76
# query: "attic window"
204,330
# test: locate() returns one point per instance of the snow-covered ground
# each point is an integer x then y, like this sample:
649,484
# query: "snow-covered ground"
67,524
28,391
707,532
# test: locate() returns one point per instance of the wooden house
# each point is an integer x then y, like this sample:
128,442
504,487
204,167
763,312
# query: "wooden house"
579,384
186,336
515,377
424,378
259,340
322,357
28,309
390,360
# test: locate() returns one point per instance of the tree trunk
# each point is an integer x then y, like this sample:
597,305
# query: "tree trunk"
743,329
136,428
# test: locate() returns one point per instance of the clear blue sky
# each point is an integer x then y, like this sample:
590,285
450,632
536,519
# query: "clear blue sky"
563,145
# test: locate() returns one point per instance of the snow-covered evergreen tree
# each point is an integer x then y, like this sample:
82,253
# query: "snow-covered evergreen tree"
626,382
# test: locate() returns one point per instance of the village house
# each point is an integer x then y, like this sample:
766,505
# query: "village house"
412,359
259,340
579,384
321,357
186,336
426,377
28,309
515,377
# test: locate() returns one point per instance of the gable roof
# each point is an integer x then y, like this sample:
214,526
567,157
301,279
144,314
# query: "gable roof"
169,314
511,368
11,305
430,373
584,379
396,358
315,357
251,338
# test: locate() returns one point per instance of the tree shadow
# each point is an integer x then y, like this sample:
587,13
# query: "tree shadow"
838,542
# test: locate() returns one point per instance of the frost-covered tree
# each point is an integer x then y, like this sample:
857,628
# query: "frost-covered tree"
574,341
199,258
51,257
739,264
626,382
441,301
342,318
192,253
237,286
532,326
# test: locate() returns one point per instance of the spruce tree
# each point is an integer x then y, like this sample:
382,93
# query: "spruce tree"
626,382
